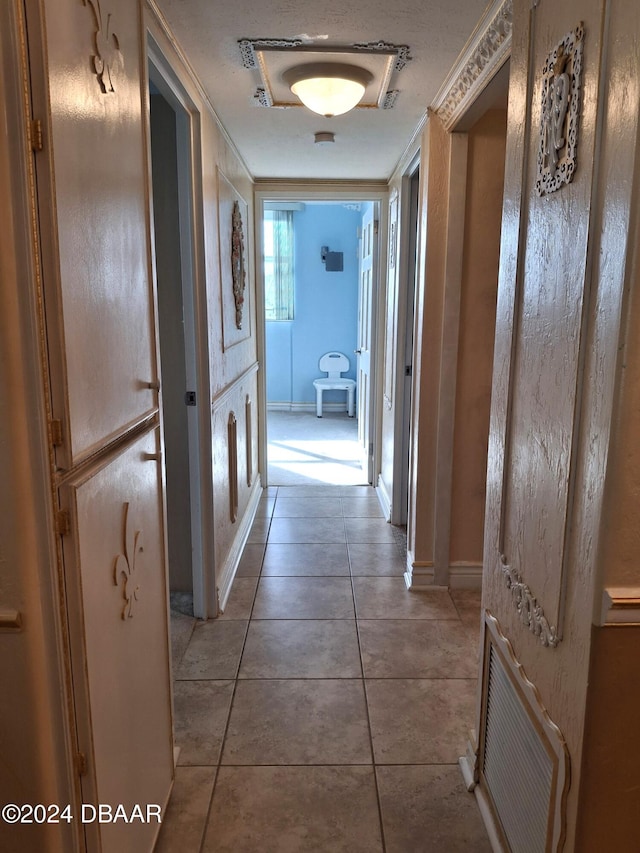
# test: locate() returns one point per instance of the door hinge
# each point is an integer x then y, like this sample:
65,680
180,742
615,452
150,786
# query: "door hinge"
371,450
375,226
35,134
55,426
81,763
63,522
408,370
190,398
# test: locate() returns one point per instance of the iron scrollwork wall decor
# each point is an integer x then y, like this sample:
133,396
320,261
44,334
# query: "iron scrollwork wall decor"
107,58
561,82
238,274
125,567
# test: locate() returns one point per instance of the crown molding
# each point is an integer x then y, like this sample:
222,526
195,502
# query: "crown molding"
481,58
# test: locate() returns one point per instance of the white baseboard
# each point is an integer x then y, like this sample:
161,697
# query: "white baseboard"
461,575
465,576
230,566
488,819
383,498
418,574
305,407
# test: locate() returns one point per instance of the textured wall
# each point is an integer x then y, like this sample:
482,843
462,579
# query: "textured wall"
560,297
485,179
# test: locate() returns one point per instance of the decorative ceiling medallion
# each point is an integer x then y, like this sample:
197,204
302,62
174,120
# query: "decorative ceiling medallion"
237,262
485,53
125,565
560,108
272,57
531,613
107,60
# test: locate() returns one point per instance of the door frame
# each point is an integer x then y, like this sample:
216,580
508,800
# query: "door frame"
174,89
274,191
407,284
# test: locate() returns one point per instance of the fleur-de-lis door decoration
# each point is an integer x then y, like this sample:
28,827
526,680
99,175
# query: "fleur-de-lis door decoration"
125,568
107,59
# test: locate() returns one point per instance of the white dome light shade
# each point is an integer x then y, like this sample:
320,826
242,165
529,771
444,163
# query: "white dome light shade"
328,88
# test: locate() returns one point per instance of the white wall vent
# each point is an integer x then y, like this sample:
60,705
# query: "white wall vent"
523,762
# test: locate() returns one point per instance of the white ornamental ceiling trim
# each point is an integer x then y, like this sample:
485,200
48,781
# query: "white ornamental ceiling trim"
482,57
271,57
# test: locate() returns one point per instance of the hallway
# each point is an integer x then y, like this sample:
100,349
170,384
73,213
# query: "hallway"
325,710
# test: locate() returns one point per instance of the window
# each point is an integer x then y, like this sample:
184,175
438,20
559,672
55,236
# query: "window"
278,264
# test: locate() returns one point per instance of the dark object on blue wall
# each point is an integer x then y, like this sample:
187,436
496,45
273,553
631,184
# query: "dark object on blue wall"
333,261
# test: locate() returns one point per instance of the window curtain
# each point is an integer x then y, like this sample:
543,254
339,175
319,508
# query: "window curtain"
283,263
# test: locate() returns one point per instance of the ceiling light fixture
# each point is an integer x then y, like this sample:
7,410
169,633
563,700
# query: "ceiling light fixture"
328,88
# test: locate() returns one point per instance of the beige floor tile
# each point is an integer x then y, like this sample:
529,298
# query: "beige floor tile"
294,810
180,629
251,560
309,491
240,599
307,530
259,530
420,721
201,711
404,648
368,507
184,820
300,560
357,491
265,507
468,603
389,598
372,560
308,507
298,722
301,649
214,650
304,598
368,530
427,809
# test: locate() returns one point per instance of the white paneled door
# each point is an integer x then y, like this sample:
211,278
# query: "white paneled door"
366,320
102,371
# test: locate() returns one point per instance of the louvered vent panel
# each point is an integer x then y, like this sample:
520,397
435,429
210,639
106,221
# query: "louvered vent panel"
517,767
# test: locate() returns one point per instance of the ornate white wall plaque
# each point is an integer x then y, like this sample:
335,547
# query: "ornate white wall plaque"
561,79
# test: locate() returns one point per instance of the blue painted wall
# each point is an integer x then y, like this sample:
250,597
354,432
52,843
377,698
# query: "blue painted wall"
326,306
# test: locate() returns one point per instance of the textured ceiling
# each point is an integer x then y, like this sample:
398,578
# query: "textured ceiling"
278,143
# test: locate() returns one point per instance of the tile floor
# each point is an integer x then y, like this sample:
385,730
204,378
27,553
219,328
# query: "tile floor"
327,707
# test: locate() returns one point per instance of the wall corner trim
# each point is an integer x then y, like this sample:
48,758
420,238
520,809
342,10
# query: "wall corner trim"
620,605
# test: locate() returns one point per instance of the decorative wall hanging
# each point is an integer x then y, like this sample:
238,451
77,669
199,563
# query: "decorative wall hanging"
237,262
561,81
272,58
235,278
107,60
125,567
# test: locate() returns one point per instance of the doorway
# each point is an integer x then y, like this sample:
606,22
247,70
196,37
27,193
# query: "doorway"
170,134
318,270
406,306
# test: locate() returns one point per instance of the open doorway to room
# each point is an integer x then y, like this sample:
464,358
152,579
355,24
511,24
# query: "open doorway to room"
319,270
170,146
